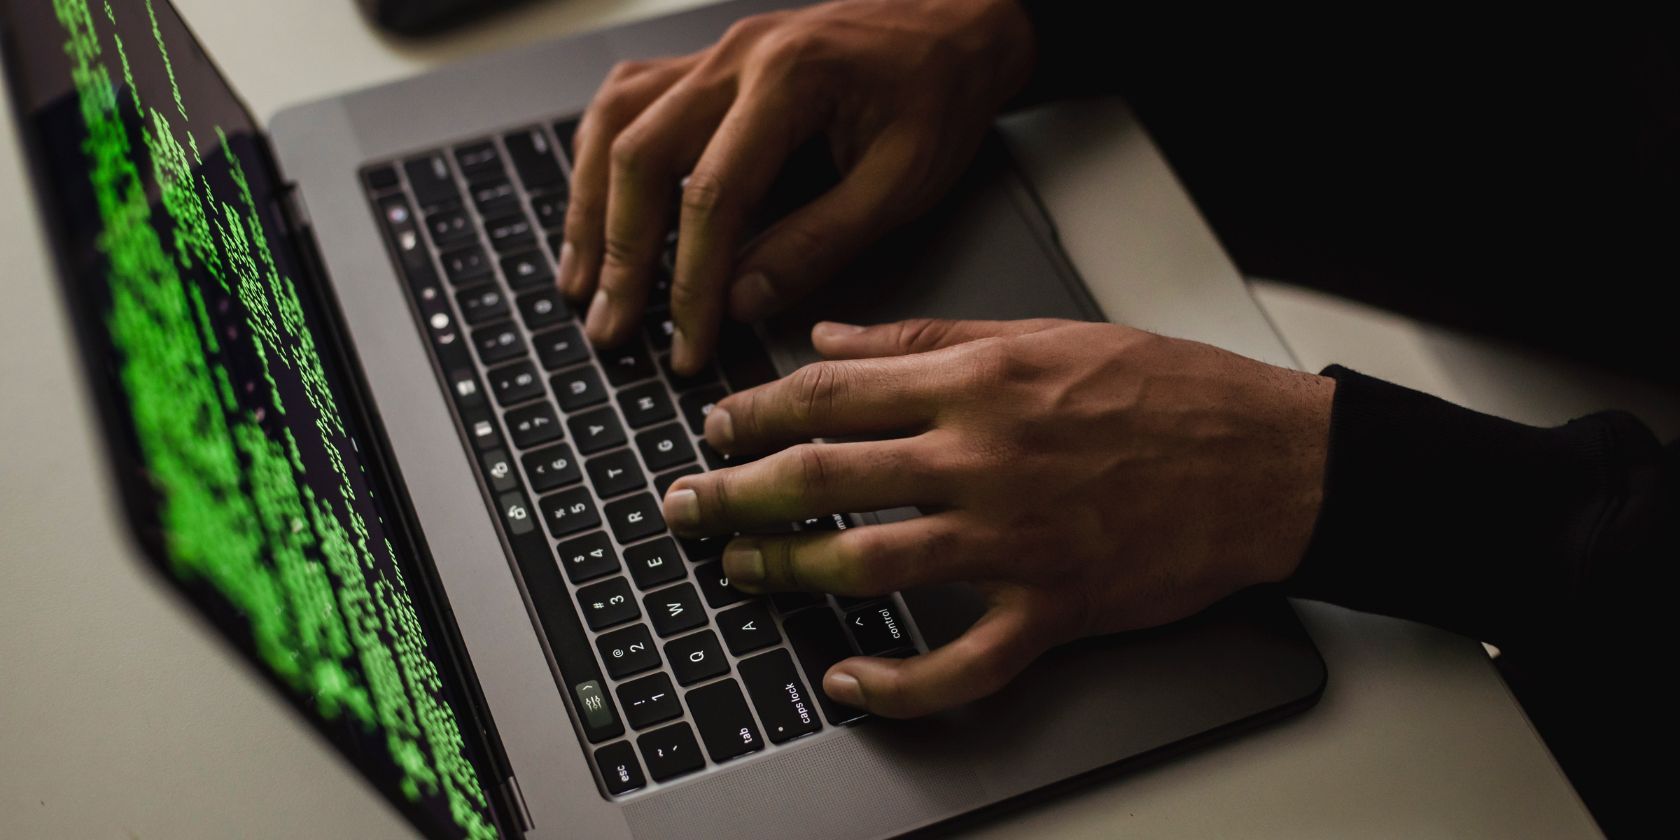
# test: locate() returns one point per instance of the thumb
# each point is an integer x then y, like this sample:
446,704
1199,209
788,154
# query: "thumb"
917,335
975,664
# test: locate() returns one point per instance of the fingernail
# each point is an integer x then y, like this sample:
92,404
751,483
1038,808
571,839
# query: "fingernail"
682,352
844,688
682,509
720,429
596,321
753,296
835,329
568,283
744,563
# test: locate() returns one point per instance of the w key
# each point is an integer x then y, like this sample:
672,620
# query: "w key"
726,725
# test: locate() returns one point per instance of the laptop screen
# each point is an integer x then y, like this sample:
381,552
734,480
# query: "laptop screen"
245,464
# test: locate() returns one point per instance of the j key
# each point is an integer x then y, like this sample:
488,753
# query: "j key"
635,518
615,474
515,383
819,643
707,376
543,308
654,563
509,233
878,629
551,468
645,404
559,348
429,177
670,752
533,158
569,512
588,557
628,651
696,657
619,770
779,696
714,584
607,604
742,357
447,227
725,724
660,328
674,610
463,264
527,270
787,602
482,303
649,700
662,482
747,628
498,470
578,389
532,424
478,160
498,343
626,364
697,404
550,210
596,430
665,447
495,198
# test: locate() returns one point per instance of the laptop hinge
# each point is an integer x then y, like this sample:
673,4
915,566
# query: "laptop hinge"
515,799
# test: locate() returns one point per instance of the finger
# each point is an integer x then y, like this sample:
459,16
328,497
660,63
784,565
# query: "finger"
861,562
977,663
828,399
736,170
812,479
647,158
917,335
628,90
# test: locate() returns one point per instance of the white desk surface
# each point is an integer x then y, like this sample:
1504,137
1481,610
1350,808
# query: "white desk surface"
120,716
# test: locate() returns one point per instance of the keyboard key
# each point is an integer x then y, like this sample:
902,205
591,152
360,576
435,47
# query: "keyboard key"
701,549
478,160
707,376
551,468
381,178
543,308
670,752
498,343
697,404
741,356
595,708
831,522
588,557
628,651
714,584
787,602
696,657
579,388
498,471
481,428
626,364
649,700
532,424
662,482
747,628
550,210
664,447
779,696
660,328
674,610
516,511
596,430
878,629
510,233
819,643
619,770
447,227
429,178
608,603
495,198
654,563
560,348
464,264
645,404
515,383
533,158
635,518
569,512
726,725
527,270
482,303
615,474
564,130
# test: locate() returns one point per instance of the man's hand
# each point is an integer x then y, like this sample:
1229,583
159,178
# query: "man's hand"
1090,478
903,92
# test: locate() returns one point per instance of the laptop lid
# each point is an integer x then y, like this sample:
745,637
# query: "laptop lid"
249,466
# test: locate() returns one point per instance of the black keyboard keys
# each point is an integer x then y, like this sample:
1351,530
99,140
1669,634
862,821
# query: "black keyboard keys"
464,264
697,404
498,470
649,700
596,430
628,651
550,210
495,198
726,725
527,270
446,227
674,610
819,643
665,447
662,482
670,752
714,584
498,343
580,388
619,770
779,696
696,657
532,424
431,181
615,474
588,557
551,468
510,233
747,628
560,348
645,405
654,563
635,518
478,160
515,383
626,364
543,308
569,512
482,303
878,629
706,376
608,603
533,158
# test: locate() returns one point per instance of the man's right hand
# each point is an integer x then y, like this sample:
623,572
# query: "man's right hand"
903,91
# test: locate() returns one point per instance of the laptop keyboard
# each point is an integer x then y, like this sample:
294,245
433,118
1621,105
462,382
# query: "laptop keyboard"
667,668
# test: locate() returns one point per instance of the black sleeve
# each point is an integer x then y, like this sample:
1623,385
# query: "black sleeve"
1524,537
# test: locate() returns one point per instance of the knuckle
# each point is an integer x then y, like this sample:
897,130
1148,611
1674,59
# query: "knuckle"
624,70
921,333
749,29
816,388
812,467
627,154
702,196
781,565
619,252
687,296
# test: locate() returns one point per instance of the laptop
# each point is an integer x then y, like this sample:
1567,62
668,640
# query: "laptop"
356,429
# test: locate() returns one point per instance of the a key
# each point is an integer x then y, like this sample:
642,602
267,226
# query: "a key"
608,603
779,696
664,447
550,210
696,657
662,482
588,557
498,343
726,725
515,383
465,264
532,424
747,628
615,474
596,430
645,404
481,303
478,161
533,158
878,629
635,518
819,643
543,308
649,700
447,227
527,270
551,468
569,512
674,610
697,404
429,177
626,364
495,198
498,470
628,651
714,584
670,752
654,563
560,348
619,770
510,233
579,388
